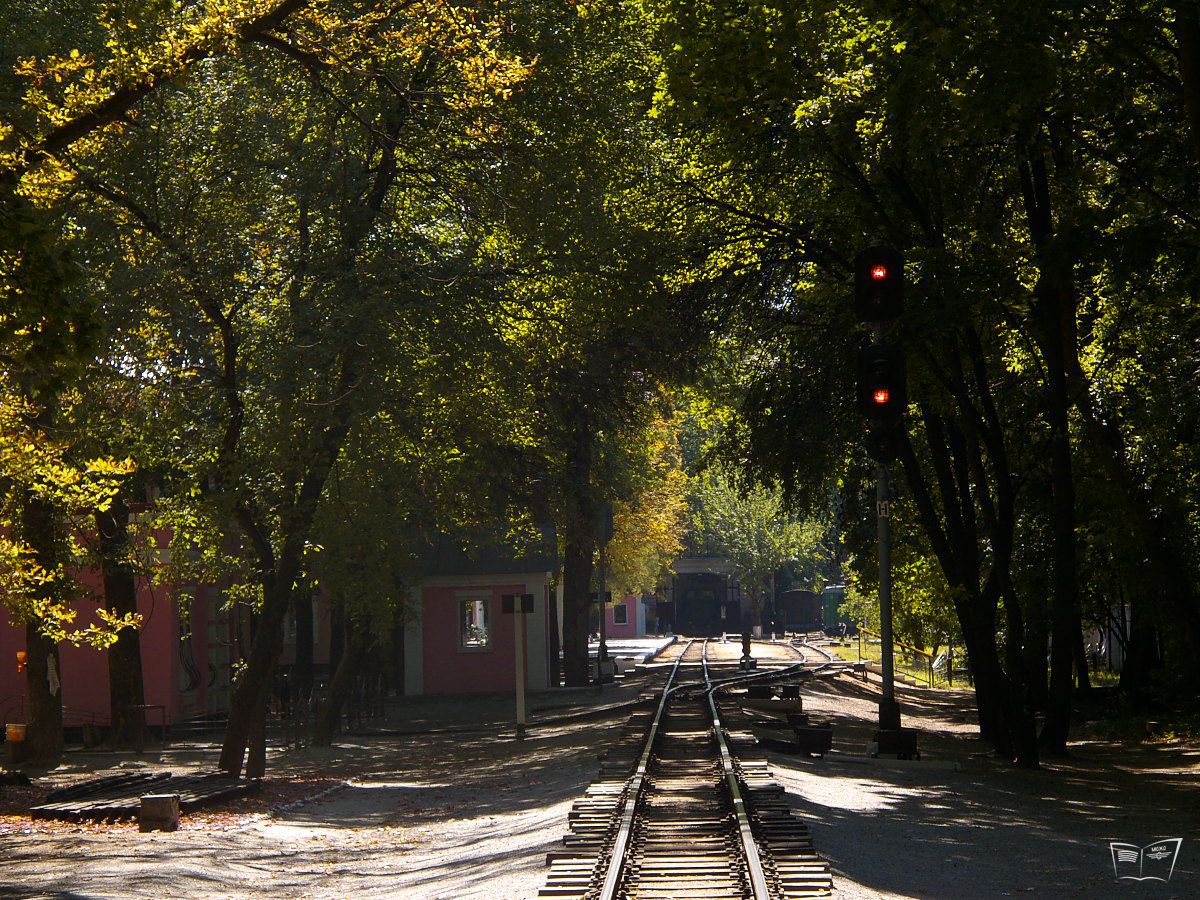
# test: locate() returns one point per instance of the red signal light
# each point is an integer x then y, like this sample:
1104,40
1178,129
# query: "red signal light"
881,396
879,273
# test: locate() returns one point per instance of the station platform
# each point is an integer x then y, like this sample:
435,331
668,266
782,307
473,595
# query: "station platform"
637,650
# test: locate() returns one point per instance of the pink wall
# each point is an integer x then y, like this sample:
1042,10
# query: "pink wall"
185,669
450,669
628,630
84,674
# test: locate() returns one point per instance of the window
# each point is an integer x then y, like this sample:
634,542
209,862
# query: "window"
621,614
474,632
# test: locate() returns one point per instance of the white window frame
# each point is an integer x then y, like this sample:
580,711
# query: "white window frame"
624,609
484,598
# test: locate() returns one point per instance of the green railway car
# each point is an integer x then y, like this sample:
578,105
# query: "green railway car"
835,618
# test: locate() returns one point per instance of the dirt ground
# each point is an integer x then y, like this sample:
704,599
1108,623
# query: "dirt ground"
466,811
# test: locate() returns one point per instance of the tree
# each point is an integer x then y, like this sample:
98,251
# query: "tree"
992,145
650,519
752,528
42,491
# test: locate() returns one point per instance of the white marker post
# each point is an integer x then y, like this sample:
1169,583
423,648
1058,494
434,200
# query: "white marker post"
519,604
519,630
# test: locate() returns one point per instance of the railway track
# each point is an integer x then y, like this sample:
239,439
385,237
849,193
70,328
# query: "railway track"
684,809
808,652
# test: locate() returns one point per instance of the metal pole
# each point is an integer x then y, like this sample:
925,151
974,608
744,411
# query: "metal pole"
889,709
519,629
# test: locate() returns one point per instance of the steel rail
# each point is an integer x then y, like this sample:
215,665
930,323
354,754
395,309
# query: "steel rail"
754,866
825,653
633,791
637,781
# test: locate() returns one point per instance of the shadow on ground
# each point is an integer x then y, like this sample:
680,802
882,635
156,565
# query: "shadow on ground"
991,829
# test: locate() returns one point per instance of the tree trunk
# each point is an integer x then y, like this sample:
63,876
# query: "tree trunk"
247,703
279,576
980,641
1083,681
1035,662
1004,718
125,685
1022,724
577,582
1187,37
1063,618
302,673
256,756
579,534
329,716
1140,655
1054,328
337,633
44,737
43,692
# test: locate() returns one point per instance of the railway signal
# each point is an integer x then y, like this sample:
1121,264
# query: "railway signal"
882,384
882,394
879,282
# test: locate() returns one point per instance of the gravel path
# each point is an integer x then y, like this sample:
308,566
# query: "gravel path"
471,814
437,816
922,829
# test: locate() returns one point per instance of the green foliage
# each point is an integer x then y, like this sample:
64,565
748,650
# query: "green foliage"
35,586
751,527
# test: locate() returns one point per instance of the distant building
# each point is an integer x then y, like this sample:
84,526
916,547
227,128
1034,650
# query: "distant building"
702,600
627,616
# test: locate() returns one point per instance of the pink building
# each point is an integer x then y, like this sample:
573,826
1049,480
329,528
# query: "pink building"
626,618
457,639
188,645
186,655
462,643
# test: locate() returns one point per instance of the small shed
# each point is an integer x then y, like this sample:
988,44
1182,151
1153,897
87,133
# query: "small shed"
625,617
457,639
